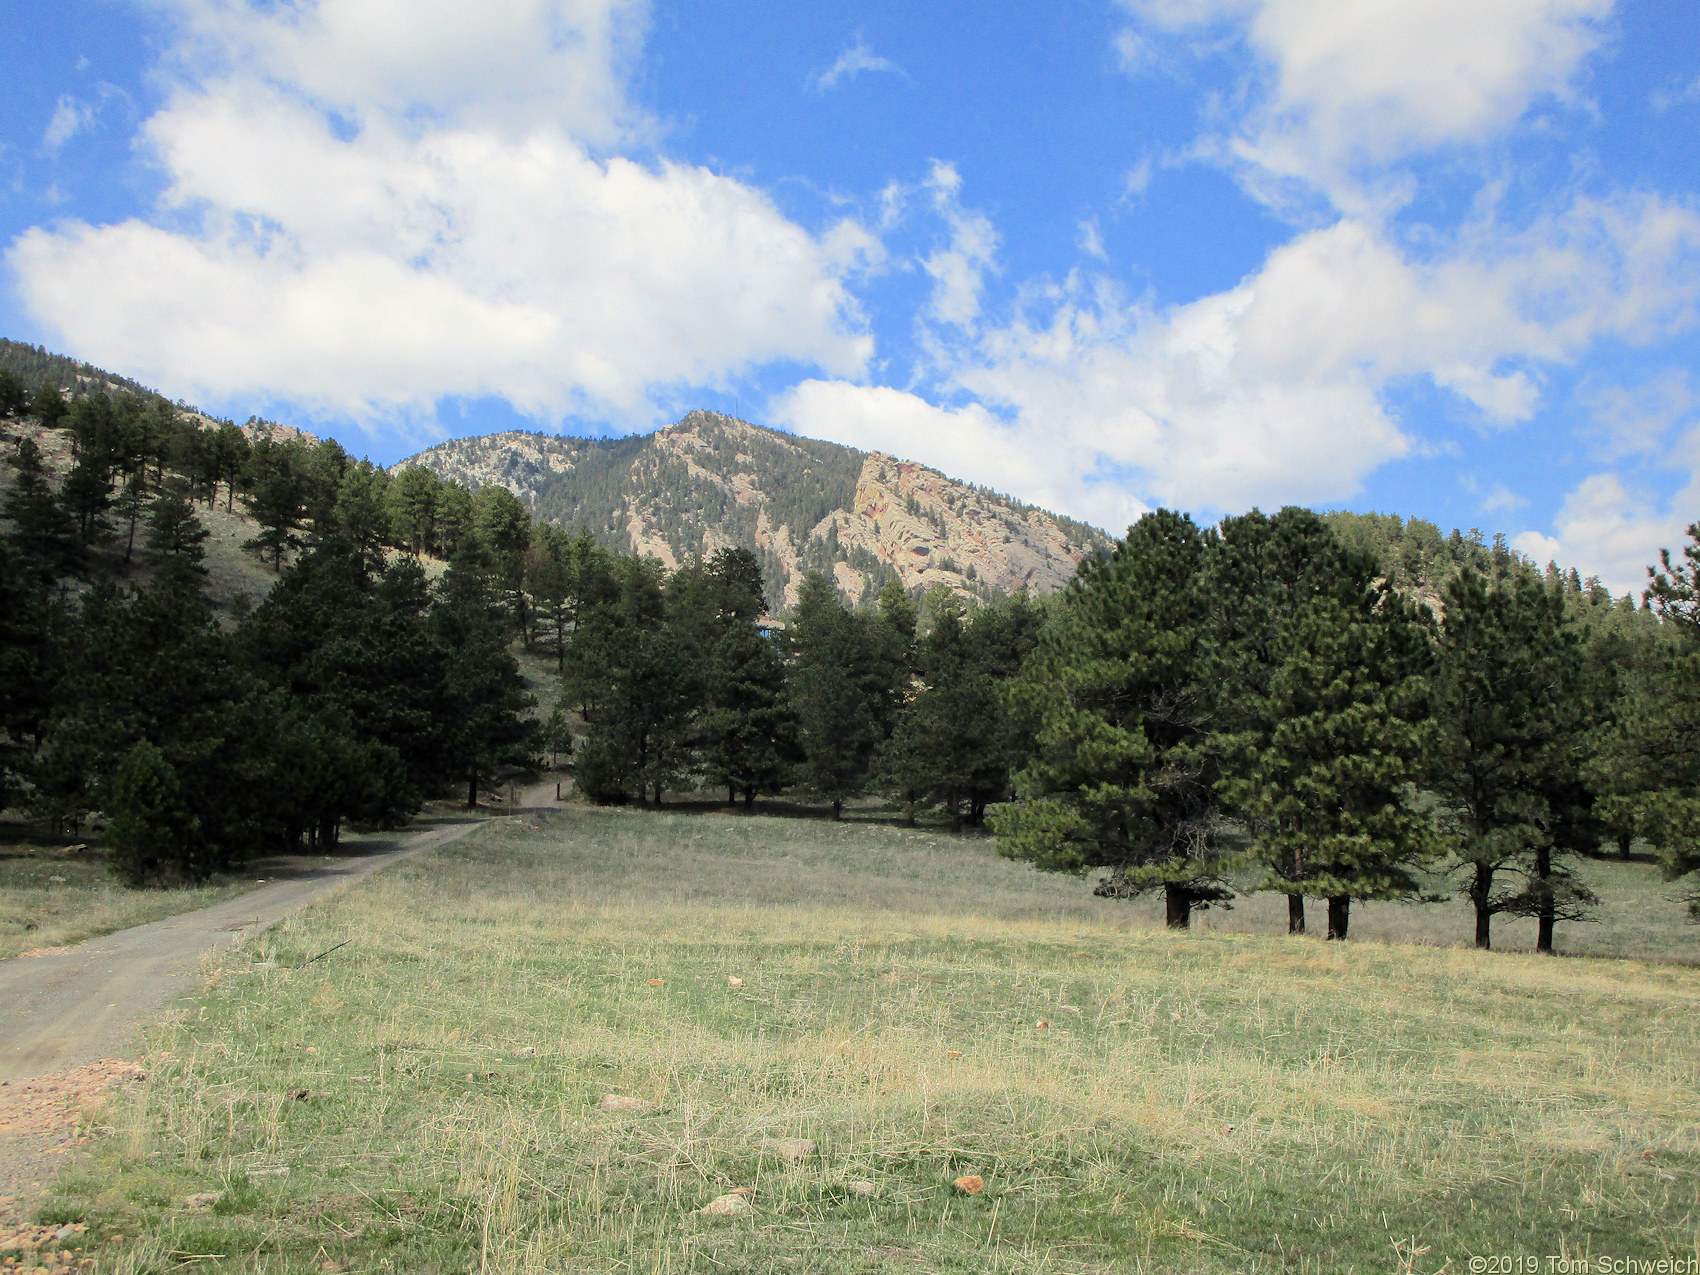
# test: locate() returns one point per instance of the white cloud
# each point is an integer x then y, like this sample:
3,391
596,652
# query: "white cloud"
1501,499
960,267
851,63
1274,391
372,205
1605,529
1664,99
1092,239
1356,83
1133,52
502,65
70,117
1636,420
966,442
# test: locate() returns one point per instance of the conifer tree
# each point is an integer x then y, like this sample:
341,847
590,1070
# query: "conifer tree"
48,405
14,395
1124,778
625,670
1330,790
277,495
1511,756
153,833
176,539
483,688
840,689
747,729
1320,710
43,537
1649,766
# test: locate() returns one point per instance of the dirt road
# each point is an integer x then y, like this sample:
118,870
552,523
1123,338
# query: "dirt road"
70,1013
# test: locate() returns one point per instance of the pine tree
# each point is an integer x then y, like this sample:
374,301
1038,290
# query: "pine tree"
1648,768
1124,778
48,405
362,514
1329,793
87,496
176,539
1320,711
14,395
747,731
152,831
414,497
276,497
840,686
626,670
43,536
1511,756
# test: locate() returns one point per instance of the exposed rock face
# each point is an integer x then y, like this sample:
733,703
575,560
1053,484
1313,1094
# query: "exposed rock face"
258,428
713,481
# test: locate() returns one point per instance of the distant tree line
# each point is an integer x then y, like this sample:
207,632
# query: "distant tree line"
1258,697
1331,707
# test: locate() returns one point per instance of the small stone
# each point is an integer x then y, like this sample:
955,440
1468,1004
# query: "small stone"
202,1199
972,1184
729,1205
734,981
1069,1009
861,1186
796,1150
619,1102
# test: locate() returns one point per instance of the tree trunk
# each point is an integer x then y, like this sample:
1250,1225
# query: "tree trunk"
1623,840
731,794
130,544
1339,915
1177,904
1545,917
837,811
472,790
1481,894
1295,914
749,799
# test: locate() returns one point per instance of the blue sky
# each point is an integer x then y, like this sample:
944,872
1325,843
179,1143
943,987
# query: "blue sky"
1434,257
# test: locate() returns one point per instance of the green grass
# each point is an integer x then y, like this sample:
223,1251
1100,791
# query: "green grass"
1214,1102
50,898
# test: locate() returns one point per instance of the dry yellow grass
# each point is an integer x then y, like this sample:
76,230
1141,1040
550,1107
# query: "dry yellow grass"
1211,1102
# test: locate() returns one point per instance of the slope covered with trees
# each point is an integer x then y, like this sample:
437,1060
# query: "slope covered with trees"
1336,707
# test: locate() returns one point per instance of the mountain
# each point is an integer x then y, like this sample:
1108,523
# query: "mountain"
712,481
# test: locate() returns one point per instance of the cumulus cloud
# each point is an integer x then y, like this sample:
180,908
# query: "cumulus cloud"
372,205
1607,530
1349,84
851,63
1276,390
959,268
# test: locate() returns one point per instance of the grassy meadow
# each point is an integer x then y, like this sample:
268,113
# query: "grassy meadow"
908,1010
51,896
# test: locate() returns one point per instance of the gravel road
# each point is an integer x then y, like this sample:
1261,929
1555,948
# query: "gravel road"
70,1013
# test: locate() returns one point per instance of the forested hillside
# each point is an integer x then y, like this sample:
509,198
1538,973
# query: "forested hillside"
712,482
1341,707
